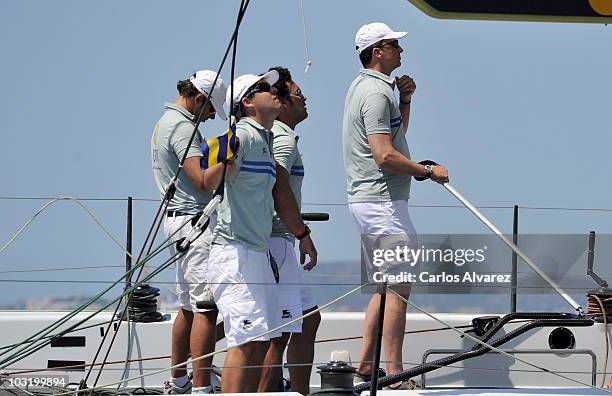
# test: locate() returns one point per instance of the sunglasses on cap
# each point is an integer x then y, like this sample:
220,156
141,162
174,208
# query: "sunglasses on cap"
261,86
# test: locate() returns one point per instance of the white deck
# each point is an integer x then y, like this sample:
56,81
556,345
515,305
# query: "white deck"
491,370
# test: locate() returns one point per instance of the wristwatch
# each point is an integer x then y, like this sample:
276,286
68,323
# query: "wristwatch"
428,171
303,234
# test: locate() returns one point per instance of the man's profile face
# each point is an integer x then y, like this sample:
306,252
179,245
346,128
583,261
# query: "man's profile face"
296,105
266,102
390,53
209,110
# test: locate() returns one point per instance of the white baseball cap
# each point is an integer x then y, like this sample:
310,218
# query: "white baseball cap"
246,81
203,81
372,33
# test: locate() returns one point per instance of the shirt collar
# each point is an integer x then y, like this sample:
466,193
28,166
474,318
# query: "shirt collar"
172,106
373,73
254,124
287,129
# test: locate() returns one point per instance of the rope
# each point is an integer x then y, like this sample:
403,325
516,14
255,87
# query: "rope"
605,319
308,57
45,206
221,350
484,344
26,352
172,186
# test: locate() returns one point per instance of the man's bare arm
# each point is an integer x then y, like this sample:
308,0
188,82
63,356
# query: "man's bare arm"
289,213
391,160
205,179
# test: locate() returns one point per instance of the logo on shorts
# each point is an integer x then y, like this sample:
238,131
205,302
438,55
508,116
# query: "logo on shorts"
247,324
286,314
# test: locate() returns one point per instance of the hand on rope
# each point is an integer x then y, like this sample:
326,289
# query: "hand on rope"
219,150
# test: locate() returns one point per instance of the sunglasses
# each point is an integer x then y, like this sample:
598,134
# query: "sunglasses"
298,93
261,86
211,108
394,44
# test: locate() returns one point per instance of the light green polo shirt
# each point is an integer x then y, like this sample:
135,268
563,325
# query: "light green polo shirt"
371,107
287,155
169,142
245,214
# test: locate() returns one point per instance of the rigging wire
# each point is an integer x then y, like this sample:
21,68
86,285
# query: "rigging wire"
45,206
45,331
172,187
314,311
448,326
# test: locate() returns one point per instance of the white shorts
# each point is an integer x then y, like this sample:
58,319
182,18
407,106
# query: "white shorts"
192,268
306,296
383,218
245,291
383,226
290,304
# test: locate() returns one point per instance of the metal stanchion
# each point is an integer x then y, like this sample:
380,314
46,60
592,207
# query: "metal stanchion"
378,344
514,275
128,243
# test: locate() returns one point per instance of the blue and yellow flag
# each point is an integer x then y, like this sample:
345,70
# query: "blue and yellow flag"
220,148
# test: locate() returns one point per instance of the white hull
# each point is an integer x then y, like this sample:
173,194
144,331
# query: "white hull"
151,340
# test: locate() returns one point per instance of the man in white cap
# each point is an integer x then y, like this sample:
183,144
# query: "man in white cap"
243,275
379,171
194,326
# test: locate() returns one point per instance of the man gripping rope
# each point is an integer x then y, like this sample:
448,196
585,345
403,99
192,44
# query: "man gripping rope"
243,275
379,171
295,297
193,328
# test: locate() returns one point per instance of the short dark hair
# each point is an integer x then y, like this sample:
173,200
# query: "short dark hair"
284,78
365,56
186,88
238,110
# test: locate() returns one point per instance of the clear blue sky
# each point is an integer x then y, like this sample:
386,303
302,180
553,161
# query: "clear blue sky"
519,112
